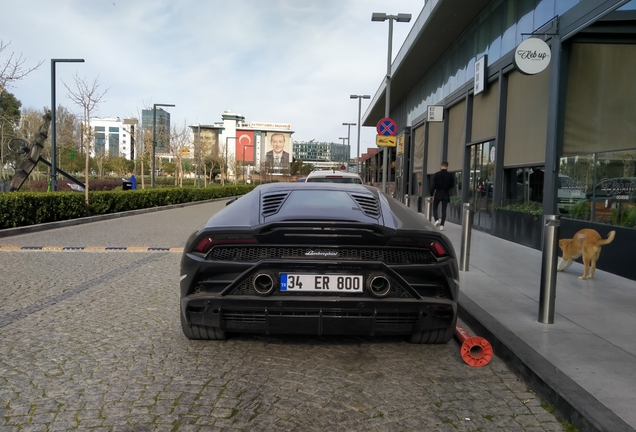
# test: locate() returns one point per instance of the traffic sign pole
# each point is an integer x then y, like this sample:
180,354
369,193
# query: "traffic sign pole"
386,128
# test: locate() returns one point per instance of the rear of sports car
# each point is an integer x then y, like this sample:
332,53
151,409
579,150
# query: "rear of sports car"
322,260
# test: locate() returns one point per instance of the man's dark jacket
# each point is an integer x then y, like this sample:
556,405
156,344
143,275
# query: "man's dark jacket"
443,182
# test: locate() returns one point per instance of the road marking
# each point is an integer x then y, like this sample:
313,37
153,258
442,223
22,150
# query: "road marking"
92,248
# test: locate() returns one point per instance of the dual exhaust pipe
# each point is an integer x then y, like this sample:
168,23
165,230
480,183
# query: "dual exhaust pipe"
378,285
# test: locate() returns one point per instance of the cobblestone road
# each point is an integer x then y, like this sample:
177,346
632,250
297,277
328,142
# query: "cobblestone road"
92,341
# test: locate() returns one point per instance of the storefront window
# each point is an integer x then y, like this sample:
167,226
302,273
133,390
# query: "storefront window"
456,193
523,185
599,187
482,180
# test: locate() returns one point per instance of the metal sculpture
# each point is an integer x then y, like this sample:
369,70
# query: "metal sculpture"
32,154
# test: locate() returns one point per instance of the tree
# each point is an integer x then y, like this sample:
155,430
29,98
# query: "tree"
30,121
68,136
9,119
235,165
212,166
179,141
87,96
224,163
12,69
119,165
101,157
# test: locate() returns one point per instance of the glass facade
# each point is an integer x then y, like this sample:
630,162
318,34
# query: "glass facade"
320,152
113,143
163,127
495,32
599,187
482,180
100,140
597,176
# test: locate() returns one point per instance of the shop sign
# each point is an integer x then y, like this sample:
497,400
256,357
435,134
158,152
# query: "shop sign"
480,75
532,56
435,113
400,144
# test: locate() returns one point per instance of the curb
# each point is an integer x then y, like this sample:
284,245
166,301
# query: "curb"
571,401
8,232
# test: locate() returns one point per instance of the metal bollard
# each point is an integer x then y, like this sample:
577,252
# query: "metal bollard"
407,200
467,227
428,208
552,223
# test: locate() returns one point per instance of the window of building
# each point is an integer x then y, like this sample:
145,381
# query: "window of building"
599,187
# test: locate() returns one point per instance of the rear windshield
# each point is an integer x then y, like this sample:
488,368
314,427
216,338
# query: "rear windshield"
334,179
318,198
306,204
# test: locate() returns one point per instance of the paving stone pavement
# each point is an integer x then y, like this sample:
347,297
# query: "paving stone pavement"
92,341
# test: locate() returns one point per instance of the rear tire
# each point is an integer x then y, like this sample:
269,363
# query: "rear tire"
197,332
437,336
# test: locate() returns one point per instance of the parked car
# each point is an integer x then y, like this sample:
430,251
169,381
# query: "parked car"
333,176
301,179
321,259
568,194
608,194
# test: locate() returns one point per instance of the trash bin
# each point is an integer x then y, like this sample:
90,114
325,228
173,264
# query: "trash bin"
126,185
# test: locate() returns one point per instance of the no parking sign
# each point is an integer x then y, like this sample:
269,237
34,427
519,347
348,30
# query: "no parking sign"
387,127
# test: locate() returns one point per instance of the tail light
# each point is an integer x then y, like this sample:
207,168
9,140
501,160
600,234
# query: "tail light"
436,247
206,243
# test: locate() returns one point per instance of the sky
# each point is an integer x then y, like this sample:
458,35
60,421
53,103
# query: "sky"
276,61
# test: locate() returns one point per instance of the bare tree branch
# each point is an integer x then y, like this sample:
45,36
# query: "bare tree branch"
87,96
12,69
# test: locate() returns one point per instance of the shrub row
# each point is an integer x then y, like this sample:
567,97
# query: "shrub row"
30,208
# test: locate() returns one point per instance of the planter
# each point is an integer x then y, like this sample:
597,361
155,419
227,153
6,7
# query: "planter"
517,227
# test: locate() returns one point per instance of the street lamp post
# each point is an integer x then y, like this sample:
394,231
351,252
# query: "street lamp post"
199,157
244,162
401,17
348,141
359,97
343,148
53,137
154,139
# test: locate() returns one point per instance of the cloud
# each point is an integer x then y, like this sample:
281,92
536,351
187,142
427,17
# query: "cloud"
281,61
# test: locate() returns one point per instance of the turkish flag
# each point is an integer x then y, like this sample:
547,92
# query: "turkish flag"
245,146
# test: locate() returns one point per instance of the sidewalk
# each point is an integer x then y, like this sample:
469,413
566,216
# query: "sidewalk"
585,363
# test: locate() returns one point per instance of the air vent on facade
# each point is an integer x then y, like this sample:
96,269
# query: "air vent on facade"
271,203
369,204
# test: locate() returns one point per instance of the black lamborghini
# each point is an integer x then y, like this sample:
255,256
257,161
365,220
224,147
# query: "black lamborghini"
320,259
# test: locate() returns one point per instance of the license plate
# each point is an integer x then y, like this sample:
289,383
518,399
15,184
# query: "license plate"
321,283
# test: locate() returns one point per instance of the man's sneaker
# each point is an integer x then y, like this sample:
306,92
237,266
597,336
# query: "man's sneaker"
441,228
438,222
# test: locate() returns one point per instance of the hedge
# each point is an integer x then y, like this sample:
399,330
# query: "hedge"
31,208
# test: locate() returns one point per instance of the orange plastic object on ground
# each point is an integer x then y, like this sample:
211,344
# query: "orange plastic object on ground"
476,351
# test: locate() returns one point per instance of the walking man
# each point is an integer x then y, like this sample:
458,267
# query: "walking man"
441,186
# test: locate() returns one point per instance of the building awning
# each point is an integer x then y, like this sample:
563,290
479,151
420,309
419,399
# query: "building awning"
437,27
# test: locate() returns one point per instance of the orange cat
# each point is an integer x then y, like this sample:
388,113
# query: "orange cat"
586,243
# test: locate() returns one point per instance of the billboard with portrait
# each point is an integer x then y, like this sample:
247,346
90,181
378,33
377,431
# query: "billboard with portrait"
277,153
209,141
